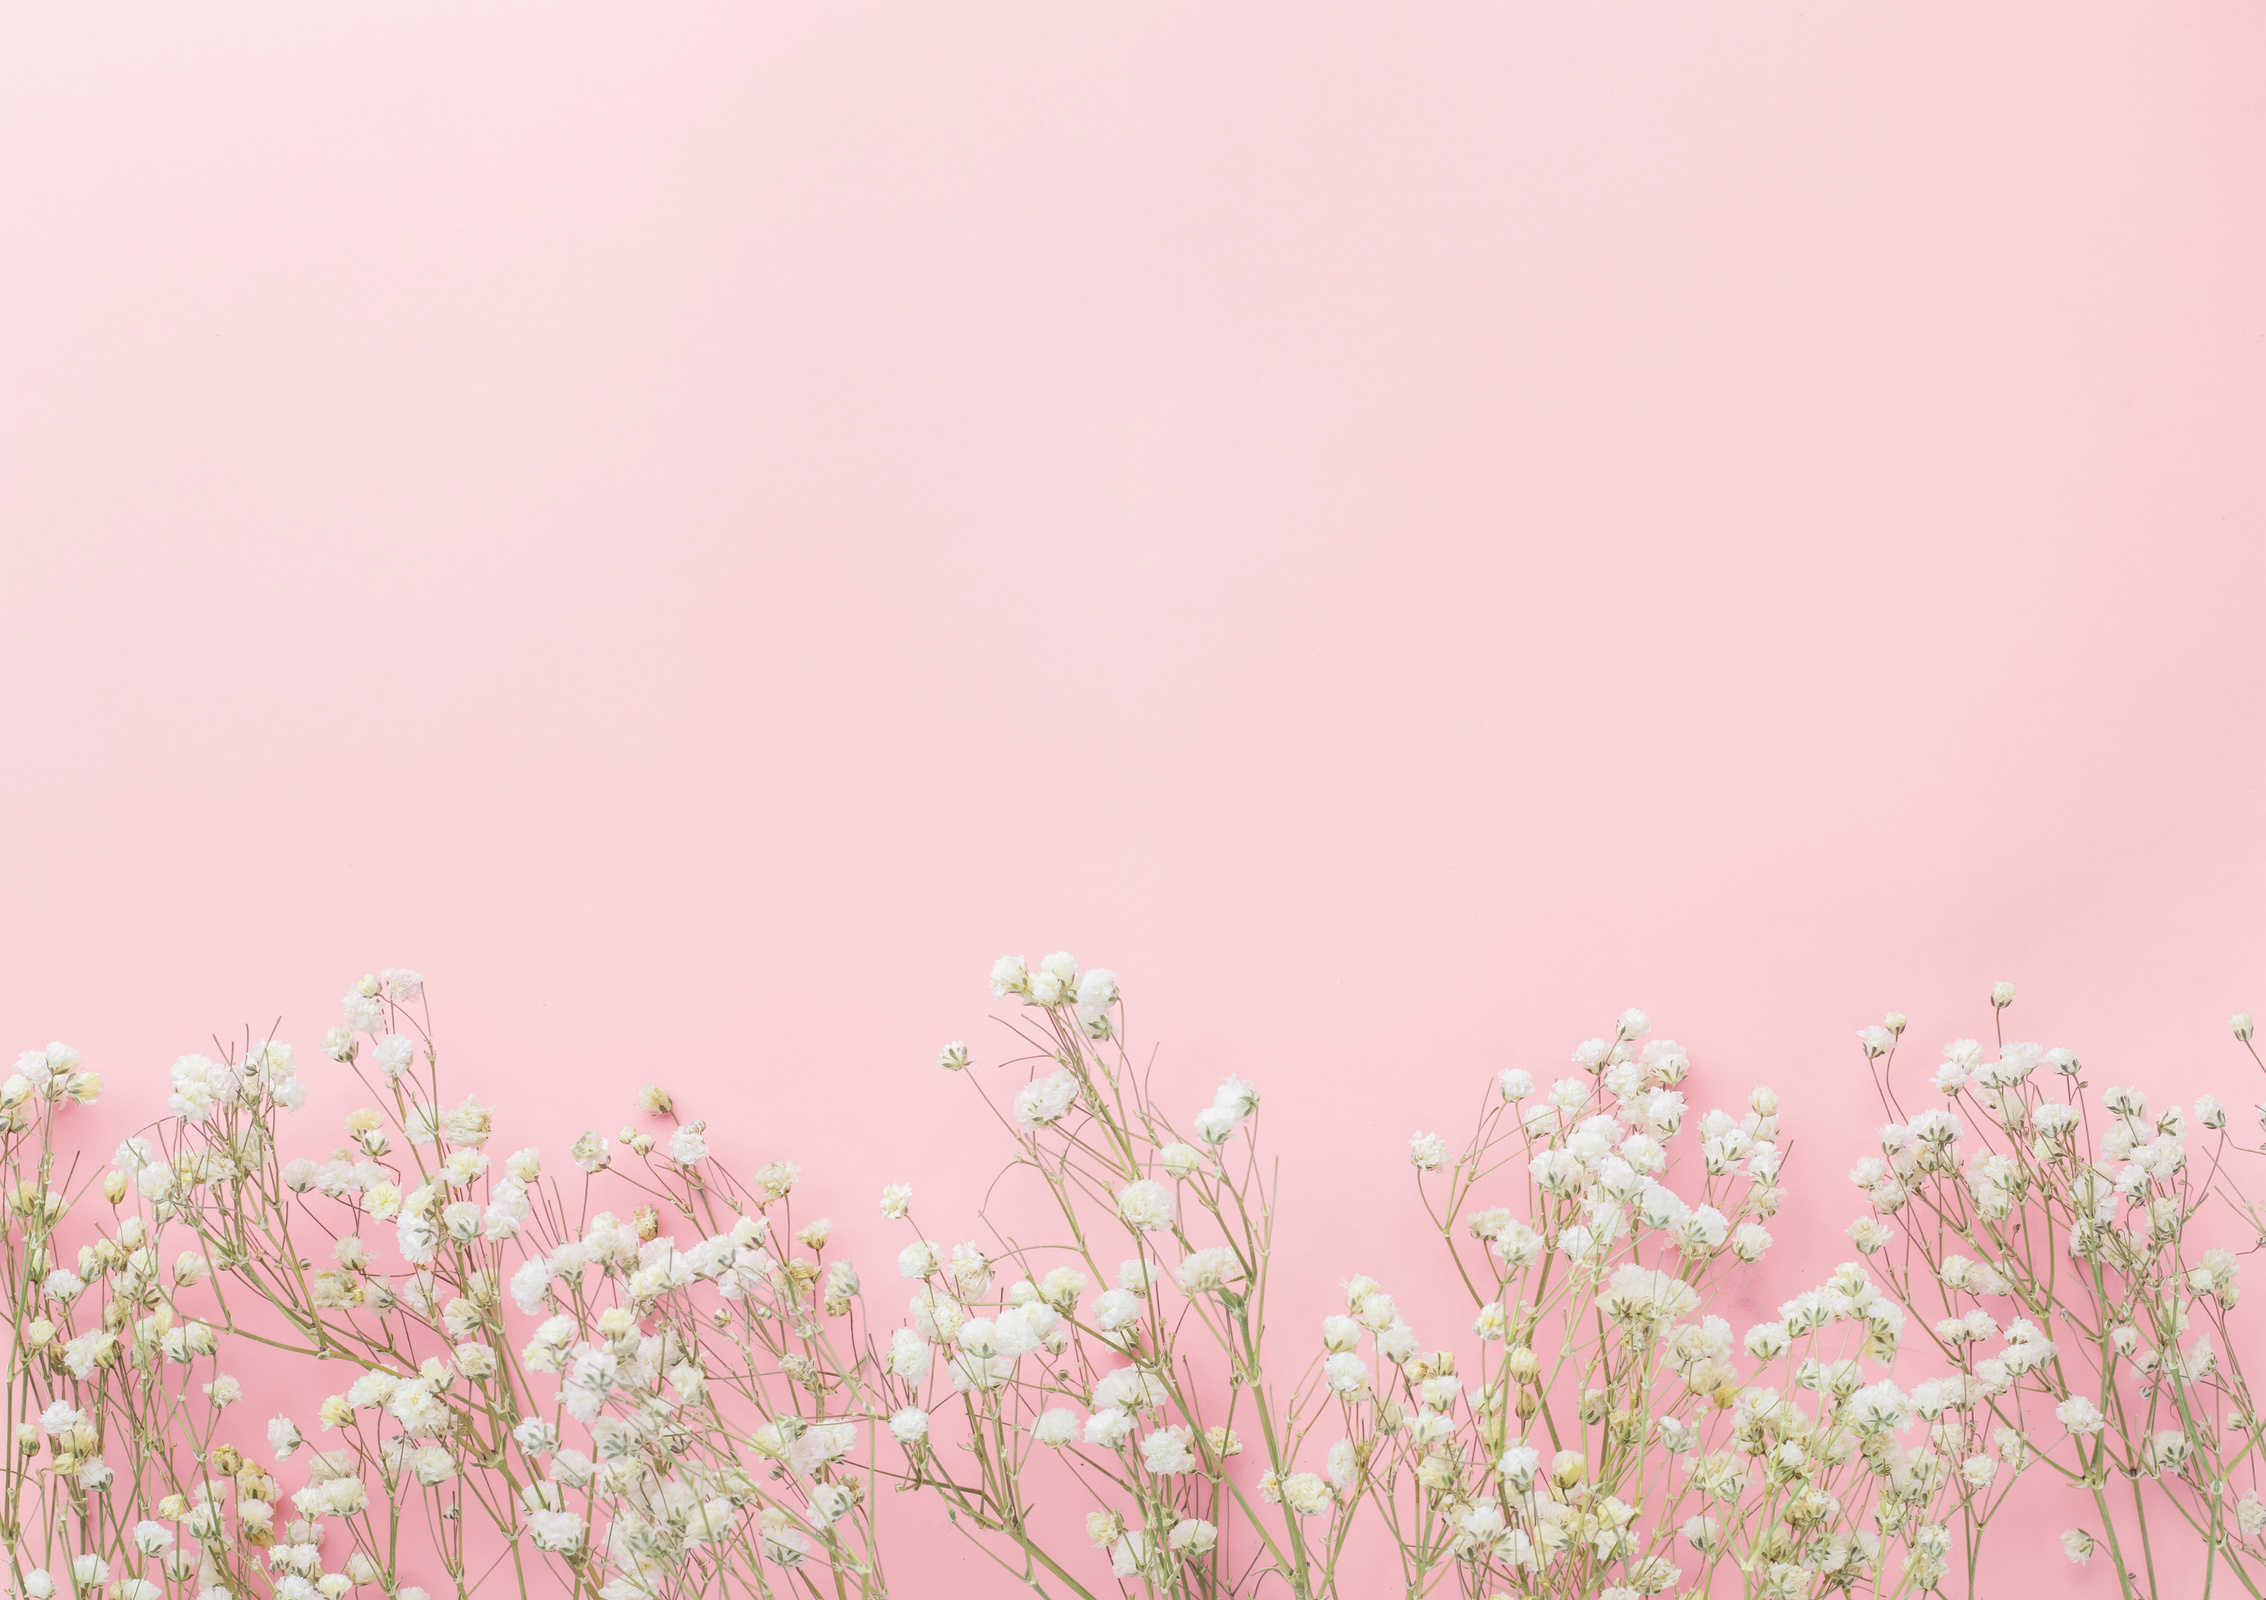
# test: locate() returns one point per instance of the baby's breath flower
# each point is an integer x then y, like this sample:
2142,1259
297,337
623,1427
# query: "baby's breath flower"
1145,1206
1870,1235
1055,1428
1009,977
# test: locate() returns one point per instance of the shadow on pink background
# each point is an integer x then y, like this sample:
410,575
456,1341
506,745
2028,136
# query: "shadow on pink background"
1400,531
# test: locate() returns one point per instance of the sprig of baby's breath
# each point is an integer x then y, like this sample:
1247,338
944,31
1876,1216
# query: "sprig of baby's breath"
636,1374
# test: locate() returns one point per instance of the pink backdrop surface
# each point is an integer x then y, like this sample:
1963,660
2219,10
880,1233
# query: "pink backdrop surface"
1401,530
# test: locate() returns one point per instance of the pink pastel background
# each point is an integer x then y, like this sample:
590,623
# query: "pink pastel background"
1401,529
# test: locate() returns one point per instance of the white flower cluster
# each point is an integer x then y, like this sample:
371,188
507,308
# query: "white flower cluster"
1072,1352
1532,1464
2078,1294
636,1408
653,1380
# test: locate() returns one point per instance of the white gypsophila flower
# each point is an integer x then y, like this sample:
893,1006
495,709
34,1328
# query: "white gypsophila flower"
2077,1544
364,1013
559,1532
1116,1310
1044,1102
1180,1160
1055,1428
1427,1151
2002,995
1208,1270
1665,1062
1192,1539
1130,1555
953,1057
688,1145
909,1356
1232,1103
1008,976
1212,1125
909,1425
969,1269
1096,993
1145,1205
830,1503
591,1154
2080,1416
1109,1427
1879,1409
1870,1235
201,1087
1168,1452
896,1200
395,1055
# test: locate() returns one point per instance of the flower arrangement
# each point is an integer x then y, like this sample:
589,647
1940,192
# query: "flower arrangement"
2072,1231
536,1394
636,1374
